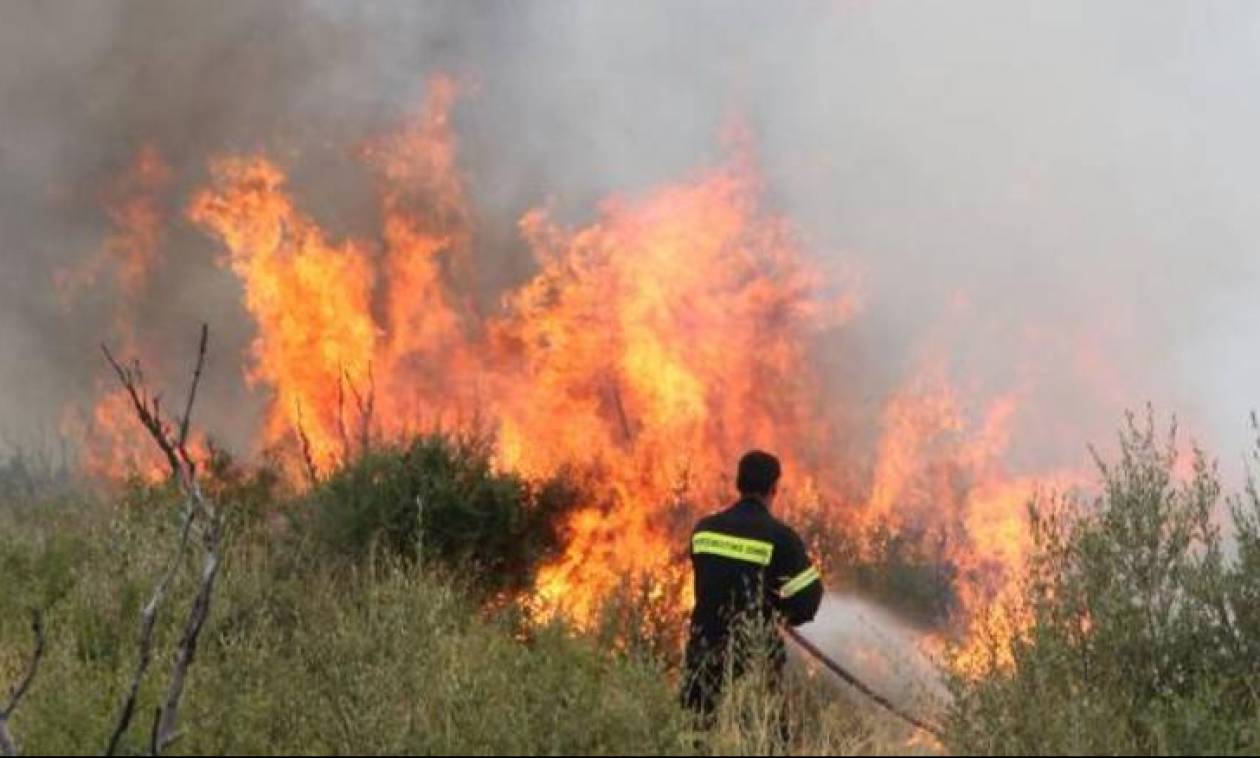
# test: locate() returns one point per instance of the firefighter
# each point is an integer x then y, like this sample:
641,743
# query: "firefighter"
750,568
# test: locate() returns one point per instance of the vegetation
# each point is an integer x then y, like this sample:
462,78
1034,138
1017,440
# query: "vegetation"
323,643
1142,621
909,570
348,619
439,497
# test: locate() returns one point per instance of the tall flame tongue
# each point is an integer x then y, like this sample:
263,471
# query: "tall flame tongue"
659,342
653,346
311,301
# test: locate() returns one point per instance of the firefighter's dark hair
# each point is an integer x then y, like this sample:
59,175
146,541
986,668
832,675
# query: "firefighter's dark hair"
758,473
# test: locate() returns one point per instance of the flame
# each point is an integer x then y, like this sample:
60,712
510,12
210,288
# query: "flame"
658,342
133,204
110,443
311,300
653,345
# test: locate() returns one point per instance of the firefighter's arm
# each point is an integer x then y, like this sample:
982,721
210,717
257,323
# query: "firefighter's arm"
800,590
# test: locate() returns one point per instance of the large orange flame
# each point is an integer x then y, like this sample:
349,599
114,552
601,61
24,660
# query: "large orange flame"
654,345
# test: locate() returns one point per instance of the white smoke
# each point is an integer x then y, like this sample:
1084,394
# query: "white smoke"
884,652
1054,197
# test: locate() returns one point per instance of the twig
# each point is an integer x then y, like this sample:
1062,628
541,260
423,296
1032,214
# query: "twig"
308,458
148,409
148,619
166,731
369,412
8,745
366,405
621,412
342,435
196,505
153,731
192,390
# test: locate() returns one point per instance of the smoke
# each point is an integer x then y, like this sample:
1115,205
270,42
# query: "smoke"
1039,198
882,651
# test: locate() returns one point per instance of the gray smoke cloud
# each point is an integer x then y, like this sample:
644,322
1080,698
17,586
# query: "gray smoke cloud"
1053,196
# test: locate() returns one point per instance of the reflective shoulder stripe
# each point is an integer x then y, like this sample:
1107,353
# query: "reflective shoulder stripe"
799,582
729,546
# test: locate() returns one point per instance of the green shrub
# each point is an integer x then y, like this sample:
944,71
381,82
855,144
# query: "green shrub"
302,654
793,710
1142,633
386,660
439,498
646,617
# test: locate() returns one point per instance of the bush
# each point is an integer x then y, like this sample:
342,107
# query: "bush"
1141,633
793,710
302,654
301,657
319,661
439,498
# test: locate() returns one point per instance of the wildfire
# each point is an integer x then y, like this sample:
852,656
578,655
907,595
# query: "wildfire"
136,212
654,345
133,204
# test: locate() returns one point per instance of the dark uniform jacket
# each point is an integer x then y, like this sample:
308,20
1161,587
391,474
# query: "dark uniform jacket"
746,562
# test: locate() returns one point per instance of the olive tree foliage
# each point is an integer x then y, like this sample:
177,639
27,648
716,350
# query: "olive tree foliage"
1140,617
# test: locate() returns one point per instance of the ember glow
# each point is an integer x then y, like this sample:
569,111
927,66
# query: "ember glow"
654,343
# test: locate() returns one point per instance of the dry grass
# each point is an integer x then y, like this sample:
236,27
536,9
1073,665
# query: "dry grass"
308,655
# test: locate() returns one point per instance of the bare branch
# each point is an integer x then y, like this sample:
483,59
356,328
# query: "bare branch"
342,435
18,692
8,745
308,458
166,731
153,732
148,619
620,407
192,390
368,409
196,505
149,410
366,405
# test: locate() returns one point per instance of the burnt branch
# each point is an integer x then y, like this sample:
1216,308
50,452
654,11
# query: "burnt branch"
8,745
166,731
197,507
308,456
148,619
366,405
153,731
148,409
342,435
620,408
192,389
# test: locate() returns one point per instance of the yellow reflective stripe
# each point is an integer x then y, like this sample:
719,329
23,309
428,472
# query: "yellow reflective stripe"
727,546
800,582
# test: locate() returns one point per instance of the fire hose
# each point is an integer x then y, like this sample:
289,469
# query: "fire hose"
857,684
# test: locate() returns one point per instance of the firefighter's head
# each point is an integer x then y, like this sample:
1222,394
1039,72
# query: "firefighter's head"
758,476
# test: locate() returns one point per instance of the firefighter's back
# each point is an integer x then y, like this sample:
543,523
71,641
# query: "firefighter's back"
749,566
731,552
